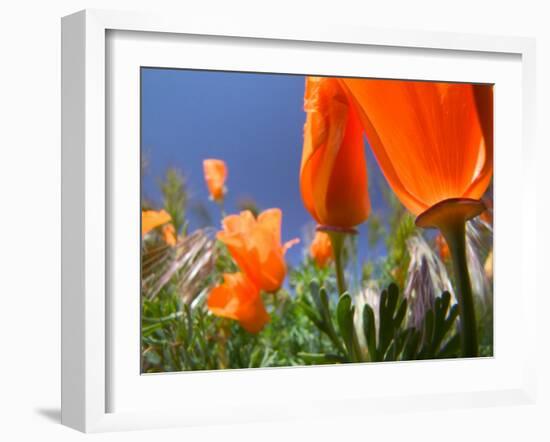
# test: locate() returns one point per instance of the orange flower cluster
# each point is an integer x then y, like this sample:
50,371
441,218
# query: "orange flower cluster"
255,245
433,142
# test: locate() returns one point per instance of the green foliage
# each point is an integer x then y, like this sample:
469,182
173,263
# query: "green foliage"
175,198
485,330
317,307
392,341
397,262
376,229
314,329
309,323
177,337
436,338
367,272
391,319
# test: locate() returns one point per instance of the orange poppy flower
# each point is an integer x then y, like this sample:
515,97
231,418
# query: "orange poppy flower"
433,141
215,174
255,245
333,173
151,219
442,247
321,249
169,234
238,298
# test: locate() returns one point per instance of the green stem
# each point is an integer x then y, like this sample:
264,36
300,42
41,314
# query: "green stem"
337,240
220,203
455,235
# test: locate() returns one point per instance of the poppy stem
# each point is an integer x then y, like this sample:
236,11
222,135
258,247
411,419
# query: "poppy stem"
337,240
455,235
450,217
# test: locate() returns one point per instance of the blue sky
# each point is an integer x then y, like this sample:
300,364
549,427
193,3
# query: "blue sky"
254,123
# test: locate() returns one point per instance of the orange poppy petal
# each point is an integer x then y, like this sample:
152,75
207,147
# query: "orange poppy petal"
169,234
271,219
273,272
290,243
429,142
483,95
347,201
239,299
255,318
151,219
244,256
333,178
242,222
255,246
408,200
215,174
268,253
222,302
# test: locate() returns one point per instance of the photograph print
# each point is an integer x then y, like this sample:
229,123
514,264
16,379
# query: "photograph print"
298,220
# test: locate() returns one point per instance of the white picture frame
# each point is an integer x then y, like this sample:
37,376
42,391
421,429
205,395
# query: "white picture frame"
87,348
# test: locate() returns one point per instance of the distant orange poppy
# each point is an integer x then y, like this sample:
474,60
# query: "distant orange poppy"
238,298
442,247
321,249
151,219
215,174
333,173
255,245
433,141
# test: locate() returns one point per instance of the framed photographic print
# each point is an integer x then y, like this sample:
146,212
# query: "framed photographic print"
286,222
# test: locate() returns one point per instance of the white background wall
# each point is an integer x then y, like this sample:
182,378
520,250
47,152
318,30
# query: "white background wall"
30,214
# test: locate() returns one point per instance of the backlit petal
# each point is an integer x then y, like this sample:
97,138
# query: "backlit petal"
255,246
427,137
151,219
239,299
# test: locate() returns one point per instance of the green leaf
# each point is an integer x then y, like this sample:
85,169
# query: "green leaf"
314,292
393,295
320,358
344,315
400,315
450,349
411,344
428,332
313,316
325,306
369,330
